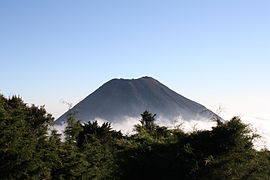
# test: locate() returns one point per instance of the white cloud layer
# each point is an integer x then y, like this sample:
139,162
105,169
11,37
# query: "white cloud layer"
260,125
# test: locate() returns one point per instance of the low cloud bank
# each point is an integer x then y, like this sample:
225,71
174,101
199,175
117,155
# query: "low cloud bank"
259,125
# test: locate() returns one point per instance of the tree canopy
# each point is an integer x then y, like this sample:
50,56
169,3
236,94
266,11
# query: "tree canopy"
31,149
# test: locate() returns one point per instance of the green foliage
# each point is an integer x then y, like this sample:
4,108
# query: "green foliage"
148,121
73,128
23,139
72,164
30,149
98,144
221,153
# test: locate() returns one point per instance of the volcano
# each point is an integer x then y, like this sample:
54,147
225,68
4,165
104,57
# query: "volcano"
122,98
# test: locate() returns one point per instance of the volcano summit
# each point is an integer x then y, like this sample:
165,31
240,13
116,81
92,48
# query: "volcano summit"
121,98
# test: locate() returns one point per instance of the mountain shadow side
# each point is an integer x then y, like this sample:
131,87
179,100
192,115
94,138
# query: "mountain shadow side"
121,98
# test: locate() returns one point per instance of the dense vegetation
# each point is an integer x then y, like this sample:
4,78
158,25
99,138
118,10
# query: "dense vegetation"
30,149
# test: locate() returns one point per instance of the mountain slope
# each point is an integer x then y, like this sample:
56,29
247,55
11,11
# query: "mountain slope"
120,98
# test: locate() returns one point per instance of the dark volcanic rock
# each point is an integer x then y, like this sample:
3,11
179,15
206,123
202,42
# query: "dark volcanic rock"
120,98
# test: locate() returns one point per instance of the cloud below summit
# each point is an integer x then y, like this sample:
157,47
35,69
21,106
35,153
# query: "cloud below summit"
259,125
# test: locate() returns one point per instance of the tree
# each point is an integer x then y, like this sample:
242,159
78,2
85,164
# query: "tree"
23,139
73,129
148,121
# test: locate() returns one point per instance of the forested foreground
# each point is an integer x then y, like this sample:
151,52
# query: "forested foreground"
30,149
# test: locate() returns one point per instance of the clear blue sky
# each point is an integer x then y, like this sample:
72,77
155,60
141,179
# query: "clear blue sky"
210,51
